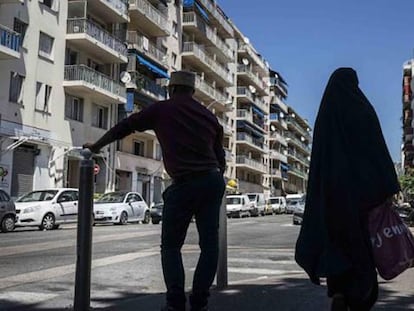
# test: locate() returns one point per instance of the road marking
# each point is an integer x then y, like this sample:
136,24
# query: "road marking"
261,261
41,275
262,271
26,297
241,223
35,247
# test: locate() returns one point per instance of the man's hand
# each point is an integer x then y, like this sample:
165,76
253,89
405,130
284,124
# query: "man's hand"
91,147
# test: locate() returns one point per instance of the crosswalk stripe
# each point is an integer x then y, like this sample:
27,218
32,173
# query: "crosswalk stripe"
42,275
35,247
26,297
260,271
261,261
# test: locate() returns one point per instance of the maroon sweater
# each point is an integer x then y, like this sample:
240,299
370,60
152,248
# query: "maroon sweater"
190,135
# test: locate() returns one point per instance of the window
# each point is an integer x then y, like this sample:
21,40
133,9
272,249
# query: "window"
174,59
43,92
100,116
158,152
71,57
74,108
175,29
52,4
20,27
46,46
16,88
139,148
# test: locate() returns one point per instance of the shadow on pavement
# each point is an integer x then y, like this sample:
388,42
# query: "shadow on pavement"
283,294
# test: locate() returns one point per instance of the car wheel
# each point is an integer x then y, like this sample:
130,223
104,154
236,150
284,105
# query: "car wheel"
155,221
239,214
146,218
123,219
7,224
48,222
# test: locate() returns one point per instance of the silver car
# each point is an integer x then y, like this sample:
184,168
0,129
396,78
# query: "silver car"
7,212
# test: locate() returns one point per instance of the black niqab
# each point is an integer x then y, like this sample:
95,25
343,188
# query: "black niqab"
351,171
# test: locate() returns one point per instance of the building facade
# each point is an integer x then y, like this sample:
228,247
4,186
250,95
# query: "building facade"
80,66
407,159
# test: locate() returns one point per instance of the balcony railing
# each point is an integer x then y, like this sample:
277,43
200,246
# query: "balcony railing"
119,5
191,17
82,25
298,172
216,14
242,159
192,47
250,139
279,138
299,157
205,87
241,68
9,38
296,125
148,86
293,138
248,115
86,74
227,128
152,13
146,46
244,91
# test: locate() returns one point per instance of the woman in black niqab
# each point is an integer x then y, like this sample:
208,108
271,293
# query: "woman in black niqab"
351,171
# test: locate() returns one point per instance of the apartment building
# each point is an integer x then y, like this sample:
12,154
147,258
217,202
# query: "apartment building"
277,160
252,114
298,139
407,116
80,66
208,49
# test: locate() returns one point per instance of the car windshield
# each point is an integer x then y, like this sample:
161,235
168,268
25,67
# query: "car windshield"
292,202
252,197
273,201
38,196
112,197
234,200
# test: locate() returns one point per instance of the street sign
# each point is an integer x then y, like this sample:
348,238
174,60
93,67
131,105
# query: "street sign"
96,169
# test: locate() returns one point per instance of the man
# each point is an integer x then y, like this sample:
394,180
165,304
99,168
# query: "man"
193,155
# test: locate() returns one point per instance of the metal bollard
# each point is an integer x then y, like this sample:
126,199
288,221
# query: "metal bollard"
222,273
84,234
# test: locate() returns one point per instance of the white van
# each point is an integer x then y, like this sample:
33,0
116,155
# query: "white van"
259,202
238,205
295,202
277,204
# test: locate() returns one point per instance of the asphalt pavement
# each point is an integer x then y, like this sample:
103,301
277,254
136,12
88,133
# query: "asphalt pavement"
37,270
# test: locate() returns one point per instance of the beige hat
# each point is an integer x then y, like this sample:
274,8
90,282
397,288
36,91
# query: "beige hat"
186,78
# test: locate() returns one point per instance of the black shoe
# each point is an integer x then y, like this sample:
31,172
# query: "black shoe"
338,303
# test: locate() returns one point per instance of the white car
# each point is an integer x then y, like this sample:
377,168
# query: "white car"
277,204
47,209
121,207
259,201
238,205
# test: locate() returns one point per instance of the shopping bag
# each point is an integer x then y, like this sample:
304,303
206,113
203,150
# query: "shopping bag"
392,241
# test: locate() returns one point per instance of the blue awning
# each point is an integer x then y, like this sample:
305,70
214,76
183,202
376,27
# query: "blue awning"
202,11
188,3
154,68
251,129
284,166
258,111
129,107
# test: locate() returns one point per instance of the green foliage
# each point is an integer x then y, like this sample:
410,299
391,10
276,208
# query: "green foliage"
407,184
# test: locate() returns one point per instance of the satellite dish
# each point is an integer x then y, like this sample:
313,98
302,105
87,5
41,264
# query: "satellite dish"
125,77
245,61
273,128
252,89
282,115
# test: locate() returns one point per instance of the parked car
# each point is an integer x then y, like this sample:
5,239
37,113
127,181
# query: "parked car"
294,201
7,212
238,205
121,207
259,201
156,212
48,208
277,204
298,215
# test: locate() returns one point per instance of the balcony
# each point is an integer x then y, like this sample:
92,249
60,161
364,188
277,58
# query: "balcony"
244,72
246,162
148,87
244,95
93,39
226,127
276,155
129,162
278,137
218,19
246,115
146,47
298,157
196,55
111,11
229,155
293,123
254,143
203,33
9,44
246,49
292,139
149,19
275,173
297,172
82,80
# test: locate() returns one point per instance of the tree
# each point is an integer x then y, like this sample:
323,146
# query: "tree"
407,184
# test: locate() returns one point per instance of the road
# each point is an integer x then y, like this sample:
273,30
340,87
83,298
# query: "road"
37,267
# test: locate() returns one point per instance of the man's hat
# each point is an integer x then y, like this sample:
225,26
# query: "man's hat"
185,78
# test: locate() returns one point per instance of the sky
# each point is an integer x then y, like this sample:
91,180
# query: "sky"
307,40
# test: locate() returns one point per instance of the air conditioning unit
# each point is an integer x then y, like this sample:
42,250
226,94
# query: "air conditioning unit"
76,29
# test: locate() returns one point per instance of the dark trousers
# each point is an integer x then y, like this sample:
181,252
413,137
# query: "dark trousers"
200,197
